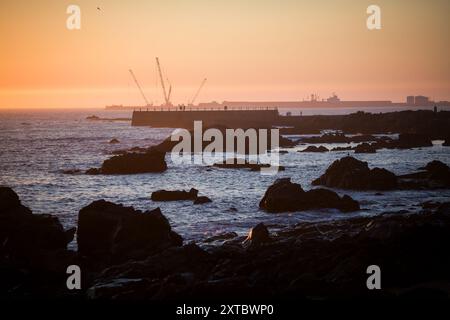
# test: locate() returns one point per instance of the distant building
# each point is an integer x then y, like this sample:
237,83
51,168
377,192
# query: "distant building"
421,101
410,100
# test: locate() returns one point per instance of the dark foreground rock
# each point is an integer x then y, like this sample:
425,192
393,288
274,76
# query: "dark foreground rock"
114,233
33,248
285,196
327,260
350,173
133,163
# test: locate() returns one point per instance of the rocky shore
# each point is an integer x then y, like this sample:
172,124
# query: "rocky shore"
126,254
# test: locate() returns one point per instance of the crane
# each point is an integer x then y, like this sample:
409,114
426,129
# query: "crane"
166,96
139,87
198,92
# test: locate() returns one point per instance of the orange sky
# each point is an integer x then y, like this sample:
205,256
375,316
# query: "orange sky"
248,50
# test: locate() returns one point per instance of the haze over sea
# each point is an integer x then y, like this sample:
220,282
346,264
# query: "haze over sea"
36,145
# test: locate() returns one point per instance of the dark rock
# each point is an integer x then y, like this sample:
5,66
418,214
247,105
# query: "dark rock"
8,200
284,196
365,148
435,176
93,171
238,163
258,235
413,140
350,173
114,141
71,171
112,232
23,233
342,148
315,149
327,138
164,195
283,142
202,200
446,142
133,163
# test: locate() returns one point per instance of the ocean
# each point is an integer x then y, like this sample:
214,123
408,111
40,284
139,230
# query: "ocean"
36,145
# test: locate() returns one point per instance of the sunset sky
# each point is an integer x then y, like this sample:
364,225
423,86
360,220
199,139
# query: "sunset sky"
248,50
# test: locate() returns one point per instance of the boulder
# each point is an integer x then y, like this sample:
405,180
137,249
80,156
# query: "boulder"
237,163
413,140
315,149
365,148
202,200
446,142
24,234
435,175
258,235
164,195
112,232
284,196
133,163
114,140
350,173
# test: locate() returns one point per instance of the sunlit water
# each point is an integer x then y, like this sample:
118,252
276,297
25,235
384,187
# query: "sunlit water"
36,145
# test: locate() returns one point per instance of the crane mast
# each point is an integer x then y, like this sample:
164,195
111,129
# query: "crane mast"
139,87
198,92
166,97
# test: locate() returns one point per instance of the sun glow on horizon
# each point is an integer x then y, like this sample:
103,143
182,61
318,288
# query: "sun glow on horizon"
249,50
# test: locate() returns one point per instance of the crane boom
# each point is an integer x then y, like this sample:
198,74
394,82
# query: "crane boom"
198,91
139,87
166,97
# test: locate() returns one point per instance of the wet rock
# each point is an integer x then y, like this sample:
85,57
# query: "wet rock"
71,171
365,148
113,141
133,149
285,196
342,148
33,250
202,200
23,233
446,142
258,235
133,163
93,171
350,173
238,163
164,195
413,140
112,232
315,149
436,175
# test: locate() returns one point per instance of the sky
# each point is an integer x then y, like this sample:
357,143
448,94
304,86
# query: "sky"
247,49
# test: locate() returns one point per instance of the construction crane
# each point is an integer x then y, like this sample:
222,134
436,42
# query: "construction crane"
139,87
197,93
166,96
